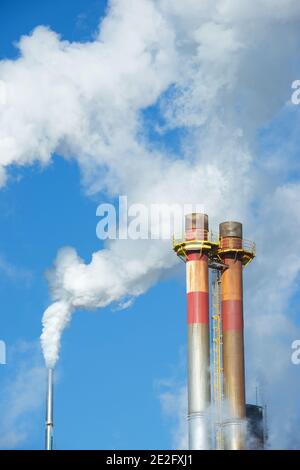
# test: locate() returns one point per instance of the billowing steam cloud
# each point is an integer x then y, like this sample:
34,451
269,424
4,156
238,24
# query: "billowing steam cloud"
214,71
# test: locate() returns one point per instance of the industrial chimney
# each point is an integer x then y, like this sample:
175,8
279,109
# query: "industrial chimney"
49,412
226,256
194,250
231,252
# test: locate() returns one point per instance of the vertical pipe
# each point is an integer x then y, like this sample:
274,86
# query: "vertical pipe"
49,412
198,336
233,335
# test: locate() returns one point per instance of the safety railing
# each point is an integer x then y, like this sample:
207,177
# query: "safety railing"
201,240
198,236
249,246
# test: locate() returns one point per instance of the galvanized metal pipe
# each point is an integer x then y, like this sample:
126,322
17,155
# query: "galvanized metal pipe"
49,412
198,337
233,336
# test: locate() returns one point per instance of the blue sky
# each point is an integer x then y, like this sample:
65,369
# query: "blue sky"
112,363
193,139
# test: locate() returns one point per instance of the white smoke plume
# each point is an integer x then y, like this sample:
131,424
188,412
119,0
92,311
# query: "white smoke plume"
214,71
55,320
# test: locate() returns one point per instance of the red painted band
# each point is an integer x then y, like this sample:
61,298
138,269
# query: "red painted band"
232,315
196,257
197,307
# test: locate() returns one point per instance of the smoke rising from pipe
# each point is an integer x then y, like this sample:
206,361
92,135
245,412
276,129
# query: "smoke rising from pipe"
207,70
55,320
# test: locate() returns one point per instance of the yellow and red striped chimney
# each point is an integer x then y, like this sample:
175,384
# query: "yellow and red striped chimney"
196,230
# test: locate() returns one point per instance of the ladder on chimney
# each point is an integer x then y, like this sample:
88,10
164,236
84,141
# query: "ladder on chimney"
217,357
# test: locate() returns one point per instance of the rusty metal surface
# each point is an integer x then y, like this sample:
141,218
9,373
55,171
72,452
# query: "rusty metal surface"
233,338
234,390
196,221
196,226
197,275
231,229
232,280
234,243
234,373
196,234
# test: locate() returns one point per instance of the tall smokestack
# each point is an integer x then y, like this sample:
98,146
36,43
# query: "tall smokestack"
196,232
49,412
231,251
